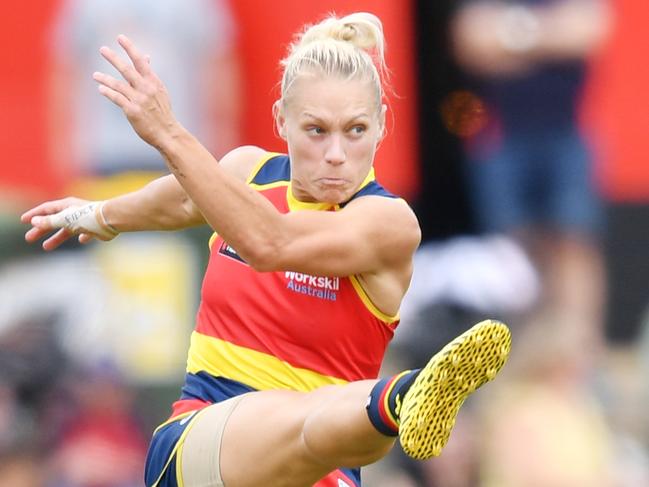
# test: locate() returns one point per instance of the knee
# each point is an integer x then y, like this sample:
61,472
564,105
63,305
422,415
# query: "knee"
340,442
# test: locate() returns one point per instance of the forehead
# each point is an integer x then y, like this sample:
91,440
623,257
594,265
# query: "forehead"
331,97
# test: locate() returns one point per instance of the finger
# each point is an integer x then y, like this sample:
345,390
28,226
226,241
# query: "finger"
114,84
34,234
52,221
84,238
140,61
57,239
46,223
47,208
125,69
114,96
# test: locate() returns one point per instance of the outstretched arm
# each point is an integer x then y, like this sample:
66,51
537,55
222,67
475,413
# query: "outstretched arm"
160,205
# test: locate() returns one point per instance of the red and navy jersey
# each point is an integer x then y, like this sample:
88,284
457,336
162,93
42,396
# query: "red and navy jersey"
280,330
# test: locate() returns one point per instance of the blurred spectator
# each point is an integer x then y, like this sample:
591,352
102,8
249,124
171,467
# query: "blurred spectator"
192,48
529,169
99,442
543,426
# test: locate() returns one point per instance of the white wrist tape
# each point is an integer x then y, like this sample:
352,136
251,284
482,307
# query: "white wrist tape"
88,218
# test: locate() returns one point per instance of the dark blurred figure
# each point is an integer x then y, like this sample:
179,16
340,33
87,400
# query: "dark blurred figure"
31,365
529,181
529,170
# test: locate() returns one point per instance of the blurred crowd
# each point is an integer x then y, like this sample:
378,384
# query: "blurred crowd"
93,338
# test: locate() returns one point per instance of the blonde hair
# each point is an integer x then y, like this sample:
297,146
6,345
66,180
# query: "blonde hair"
352,46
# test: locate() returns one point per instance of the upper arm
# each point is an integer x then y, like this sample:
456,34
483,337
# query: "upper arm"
238,162
369,235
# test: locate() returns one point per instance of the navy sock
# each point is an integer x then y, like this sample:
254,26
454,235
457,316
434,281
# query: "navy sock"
384,401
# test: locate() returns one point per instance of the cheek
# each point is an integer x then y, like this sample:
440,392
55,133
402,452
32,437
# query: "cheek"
300,143
364,149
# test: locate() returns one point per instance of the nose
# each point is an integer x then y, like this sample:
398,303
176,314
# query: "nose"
335,152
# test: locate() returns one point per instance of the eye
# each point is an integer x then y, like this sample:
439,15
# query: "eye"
315,130
358,130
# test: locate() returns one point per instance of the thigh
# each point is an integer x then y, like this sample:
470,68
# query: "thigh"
263,442
292,439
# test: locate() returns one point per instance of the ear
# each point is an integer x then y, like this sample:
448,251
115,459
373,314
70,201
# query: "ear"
384,110
280,119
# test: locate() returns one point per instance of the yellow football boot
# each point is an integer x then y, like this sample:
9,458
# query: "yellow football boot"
428,411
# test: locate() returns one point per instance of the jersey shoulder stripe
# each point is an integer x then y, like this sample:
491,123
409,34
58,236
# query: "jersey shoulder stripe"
375,189
271,169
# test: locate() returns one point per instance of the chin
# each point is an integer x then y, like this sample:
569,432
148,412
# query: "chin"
336,196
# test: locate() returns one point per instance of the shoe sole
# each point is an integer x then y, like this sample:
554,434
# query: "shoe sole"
431,404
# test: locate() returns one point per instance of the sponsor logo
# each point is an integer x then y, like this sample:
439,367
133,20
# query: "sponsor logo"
317,286
228,251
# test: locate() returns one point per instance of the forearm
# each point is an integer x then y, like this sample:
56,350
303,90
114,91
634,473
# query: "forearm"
244,218
496,38
160,205
573,29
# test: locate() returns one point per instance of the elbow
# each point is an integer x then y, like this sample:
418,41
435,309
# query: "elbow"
265,251
262,257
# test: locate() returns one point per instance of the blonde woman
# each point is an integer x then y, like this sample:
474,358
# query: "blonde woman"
310,260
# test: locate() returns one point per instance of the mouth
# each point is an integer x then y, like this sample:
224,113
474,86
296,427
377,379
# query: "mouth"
332,182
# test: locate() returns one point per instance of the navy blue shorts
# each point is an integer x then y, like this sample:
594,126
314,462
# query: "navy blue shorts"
160,466
541,180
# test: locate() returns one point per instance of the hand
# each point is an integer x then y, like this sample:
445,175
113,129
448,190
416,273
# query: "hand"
577,28
477,32
72,216
141,95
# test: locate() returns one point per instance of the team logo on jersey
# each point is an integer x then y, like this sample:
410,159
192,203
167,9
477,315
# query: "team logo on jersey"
317,286
228,251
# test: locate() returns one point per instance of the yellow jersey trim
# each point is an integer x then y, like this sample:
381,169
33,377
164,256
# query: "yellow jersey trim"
255,369
213,237
275,184
368,179
358,287
296,205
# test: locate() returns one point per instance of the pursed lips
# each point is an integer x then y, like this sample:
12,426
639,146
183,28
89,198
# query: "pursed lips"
332,181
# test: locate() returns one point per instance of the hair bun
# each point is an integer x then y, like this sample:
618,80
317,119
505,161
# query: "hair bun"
348,32
362,29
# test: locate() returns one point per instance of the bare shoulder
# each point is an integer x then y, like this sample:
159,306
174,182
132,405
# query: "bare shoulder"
241,161
392,233
393,221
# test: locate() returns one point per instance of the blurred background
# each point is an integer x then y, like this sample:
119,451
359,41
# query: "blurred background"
519,133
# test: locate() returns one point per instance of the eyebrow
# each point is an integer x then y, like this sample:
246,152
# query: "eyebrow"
319,119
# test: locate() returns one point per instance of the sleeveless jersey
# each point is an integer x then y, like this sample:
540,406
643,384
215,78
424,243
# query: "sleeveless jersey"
280,330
